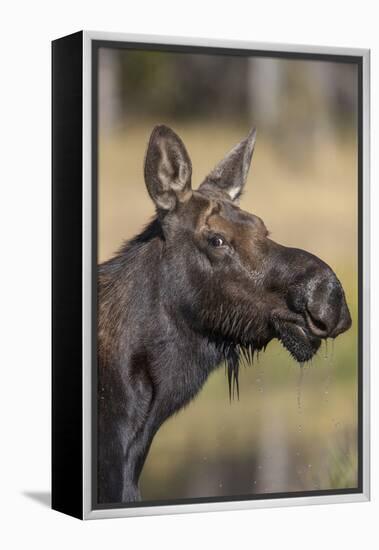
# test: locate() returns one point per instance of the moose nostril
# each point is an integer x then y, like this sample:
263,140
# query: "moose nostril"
316,325
319,324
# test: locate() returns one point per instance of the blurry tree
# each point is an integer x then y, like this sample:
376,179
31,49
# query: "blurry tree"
182,86
110,111
297,102
292,101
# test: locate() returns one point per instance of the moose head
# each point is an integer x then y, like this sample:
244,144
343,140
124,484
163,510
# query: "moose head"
227,277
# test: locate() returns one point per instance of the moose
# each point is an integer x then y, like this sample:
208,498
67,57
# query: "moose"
202,285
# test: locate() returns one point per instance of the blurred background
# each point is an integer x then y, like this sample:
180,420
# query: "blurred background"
292,429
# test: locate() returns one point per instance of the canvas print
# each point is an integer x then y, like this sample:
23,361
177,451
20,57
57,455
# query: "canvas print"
227,357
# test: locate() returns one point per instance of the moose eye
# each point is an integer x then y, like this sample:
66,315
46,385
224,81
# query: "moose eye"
216,241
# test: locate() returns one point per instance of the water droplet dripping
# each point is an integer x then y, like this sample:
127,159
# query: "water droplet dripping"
300,386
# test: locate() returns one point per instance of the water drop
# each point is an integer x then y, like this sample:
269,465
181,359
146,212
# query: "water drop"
300,386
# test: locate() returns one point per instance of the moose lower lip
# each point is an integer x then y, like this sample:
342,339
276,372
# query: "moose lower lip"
302,330
301,345
283,325
306,334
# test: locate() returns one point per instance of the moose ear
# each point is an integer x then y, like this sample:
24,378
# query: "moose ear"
168,169
230,174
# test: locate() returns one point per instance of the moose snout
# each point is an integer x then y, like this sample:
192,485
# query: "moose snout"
326,311
314,292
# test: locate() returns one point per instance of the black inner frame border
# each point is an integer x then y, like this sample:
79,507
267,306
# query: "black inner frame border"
233,52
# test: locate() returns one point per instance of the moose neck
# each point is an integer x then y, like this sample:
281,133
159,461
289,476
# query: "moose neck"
137,294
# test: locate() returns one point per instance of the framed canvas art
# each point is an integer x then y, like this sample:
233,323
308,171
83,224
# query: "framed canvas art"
210,275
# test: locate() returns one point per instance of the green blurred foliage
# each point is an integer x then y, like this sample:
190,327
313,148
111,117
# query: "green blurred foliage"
181,86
